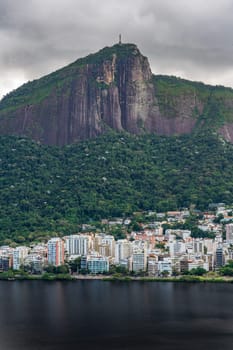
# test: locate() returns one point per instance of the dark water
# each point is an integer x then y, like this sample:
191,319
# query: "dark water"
107,315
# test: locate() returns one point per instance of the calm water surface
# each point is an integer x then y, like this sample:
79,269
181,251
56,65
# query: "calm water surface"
39,315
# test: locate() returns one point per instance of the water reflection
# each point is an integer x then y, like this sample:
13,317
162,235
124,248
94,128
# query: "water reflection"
97,315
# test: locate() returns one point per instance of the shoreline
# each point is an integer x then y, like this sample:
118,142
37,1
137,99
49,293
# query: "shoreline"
112,278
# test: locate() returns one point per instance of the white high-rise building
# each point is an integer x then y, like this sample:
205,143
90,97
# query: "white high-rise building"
152,266
110,242
123,249
229,233
56,251
77,244
177,248
165,265
19,254
139,260
198,246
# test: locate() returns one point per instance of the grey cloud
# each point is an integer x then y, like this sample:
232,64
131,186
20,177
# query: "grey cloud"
179,37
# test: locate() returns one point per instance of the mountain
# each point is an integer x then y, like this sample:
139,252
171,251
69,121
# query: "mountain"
113,89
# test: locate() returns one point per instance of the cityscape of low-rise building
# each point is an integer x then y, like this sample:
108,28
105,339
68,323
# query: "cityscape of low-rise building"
151,249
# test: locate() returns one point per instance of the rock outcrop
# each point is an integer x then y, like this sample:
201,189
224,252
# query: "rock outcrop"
113,88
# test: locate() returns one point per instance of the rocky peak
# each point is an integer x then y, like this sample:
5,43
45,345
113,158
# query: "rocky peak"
108,89
113,88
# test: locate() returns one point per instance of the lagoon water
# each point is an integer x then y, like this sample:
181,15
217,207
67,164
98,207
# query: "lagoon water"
97,315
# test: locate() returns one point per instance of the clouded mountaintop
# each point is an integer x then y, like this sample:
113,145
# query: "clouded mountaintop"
113,89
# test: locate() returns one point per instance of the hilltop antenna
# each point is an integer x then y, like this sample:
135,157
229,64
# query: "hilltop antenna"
119,39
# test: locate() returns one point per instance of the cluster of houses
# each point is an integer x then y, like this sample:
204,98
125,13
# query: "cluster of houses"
152,250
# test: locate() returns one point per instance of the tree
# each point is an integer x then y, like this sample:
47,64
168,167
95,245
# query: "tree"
160,246
175,272
199,271
218,219
165,273
121,270
136,227
50,269
227,270
62,269
118,232
75,265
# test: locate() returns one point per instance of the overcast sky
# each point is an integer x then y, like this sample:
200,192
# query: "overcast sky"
186,38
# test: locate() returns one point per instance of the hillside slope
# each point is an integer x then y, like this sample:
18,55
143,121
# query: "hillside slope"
48,189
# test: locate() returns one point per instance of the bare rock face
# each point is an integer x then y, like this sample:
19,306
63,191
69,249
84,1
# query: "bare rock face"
115,92
227,129
113,88
227,132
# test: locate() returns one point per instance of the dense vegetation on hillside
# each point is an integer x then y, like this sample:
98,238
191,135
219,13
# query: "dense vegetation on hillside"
46,189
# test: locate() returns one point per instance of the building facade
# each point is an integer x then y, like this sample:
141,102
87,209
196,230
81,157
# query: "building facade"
77,245
56,251
97,264
19,254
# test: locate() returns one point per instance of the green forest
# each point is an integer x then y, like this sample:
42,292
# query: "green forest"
48,189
